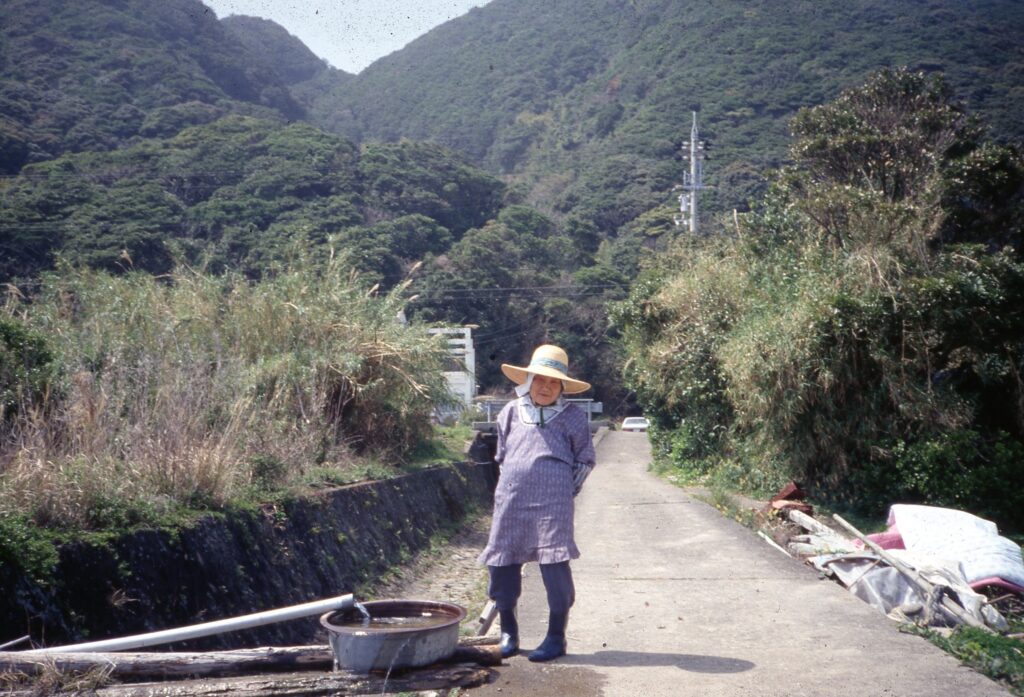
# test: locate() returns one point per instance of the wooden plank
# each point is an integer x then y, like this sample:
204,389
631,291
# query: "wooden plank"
486,618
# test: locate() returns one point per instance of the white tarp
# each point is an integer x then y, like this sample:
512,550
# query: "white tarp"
945,533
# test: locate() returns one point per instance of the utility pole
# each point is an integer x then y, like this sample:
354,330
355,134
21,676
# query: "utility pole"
693,182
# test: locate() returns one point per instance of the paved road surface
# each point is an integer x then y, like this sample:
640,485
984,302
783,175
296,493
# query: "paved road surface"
673,600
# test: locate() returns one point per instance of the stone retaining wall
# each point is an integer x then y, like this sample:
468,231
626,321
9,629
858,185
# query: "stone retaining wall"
320,546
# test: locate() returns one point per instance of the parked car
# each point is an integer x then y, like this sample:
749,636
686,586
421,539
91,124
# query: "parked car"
634,423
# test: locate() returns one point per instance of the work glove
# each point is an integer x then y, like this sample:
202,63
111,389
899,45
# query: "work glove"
580,472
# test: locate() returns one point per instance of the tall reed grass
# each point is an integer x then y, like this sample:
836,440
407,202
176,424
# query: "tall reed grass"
192,389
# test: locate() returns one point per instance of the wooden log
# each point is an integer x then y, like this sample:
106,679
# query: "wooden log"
303,684
808,523
486,655
923,585
214,664
479,641
175,664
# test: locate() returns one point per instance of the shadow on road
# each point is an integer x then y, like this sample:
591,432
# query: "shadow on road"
683,661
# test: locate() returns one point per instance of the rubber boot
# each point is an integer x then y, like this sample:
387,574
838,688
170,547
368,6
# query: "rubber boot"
554,643
509,633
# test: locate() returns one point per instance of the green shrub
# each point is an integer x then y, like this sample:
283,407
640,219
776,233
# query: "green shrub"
958,469
26,547
28,368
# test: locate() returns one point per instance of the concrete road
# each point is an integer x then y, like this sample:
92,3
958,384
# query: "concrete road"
673,599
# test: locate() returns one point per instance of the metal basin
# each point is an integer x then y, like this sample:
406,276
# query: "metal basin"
401,634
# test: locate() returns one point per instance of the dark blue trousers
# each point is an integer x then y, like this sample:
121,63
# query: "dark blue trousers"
507,584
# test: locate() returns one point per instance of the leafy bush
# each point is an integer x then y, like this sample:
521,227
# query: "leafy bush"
28,368
960,469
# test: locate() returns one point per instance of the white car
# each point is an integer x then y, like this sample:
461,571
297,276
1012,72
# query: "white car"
634,423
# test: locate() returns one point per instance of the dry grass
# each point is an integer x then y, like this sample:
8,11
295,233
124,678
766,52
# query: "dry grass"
191,389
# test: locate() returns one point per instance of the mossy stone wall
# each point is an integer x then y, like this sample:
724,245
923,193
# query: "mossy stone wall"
327,544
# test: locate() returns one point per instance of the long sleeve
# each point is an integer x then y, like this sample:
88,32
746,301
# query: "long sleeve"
583,446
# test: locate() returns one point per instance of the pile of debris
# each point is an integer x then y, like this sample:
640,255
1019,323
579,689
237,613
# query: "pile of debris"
936,567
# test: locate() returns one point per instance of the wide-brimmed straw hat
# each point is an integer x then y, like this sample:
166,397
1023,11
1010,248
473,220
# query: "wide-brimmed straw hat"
547,360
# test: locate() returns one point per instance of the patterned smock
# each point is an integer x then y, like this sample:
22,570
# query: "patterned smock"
533,503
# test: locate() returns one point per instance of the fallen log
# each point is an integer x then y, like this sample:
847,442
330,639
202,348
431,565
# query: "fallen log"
301,684
216,664
174,664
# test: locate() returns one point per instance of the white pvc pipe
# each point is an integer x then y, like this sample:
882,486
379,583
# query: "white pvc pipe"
229,624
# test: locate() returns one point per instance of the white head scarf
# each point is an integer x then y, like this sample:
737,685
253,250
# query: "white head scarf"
530,413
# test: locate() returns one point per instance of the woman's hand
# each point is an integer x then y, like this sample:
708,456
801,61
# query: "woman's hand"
580,472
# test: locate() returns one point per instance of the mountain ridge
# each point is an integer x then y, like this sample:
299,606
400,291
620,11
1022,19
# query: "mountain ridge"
584,100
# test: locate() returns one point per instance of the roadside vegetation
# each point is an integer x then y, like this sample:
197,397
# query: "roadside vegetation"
128,397
861,331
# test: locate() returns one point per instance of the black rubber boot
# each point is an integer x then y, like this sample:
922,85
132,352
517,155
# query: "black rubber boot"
509,634
554,643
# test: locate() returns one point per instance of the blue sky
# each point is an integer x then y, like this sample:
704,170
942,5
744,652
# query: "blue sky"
350,34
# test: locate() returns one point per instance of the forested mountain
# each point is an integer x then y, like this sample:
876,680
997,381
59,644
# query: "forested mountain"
90,75
137,135
234,193
141,138
587,101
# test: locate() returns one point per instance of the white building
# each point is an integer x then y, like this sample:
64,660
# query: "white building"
461,372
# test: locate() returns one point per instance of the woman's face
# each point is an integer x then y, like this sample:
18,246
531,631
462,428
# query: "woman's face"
544,390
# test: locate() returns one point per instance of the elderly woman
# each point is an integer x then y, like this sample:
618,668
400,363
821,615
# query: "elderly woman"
545,452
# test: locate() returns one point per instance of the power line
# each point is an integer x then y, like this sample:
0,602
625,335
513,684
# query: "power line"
507,289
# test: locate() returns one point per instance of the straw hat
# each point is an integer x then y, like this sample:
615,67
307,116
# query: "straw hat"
550,361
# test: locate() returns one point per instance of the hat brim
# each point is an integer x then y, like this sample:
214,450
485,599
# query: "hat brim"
519,375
